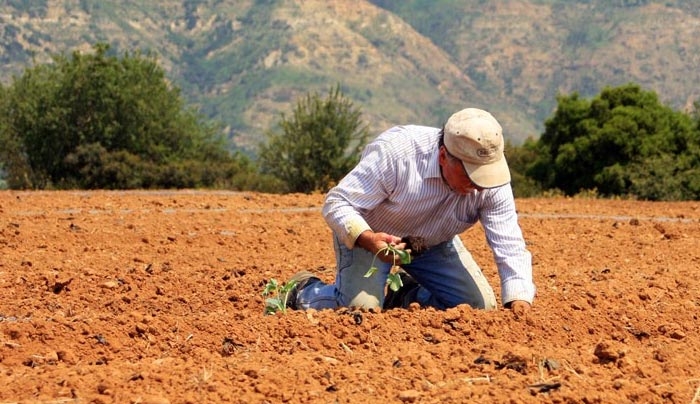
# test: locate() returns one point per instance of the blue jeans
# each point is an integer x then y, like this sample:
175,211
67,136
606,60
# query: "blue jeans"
447,273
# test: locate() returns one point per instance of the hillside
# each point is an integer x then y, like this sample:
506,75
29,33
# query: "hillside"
525,52
245,62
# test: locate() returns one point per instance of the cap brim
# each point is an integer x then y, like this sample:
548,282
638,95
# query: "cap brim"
489,175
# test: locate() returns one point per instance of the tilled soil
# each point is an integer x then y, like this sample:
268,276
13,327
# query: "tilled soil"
155,297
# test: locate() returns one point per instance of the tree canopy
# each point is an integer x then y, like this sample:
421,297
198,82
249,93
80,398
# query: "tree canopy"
318,145
622,142
101,121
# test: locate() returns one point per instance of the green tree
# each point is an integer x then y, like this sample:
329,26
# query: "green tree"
695,113
519,158
318,145
619,143
101,121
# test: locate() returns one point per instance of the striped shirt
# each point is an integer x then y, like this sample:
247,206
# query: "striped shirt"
397,188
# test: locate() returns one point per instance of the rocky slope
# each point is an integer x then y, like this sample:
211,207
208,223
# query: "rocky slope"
245,62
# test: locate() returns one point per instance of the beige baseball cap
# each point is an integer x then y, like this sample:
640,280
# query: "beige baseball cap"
475,137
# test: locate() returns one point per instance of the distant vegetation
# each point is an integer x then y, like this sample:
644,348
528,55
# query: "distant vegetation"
623,142
317,145
95,121
100,121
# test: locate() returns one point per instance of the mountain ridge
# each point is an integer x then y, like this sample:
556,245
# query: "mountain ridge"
243,63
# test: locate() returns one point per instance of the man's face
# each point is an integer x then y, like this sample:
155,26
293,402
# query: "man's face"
454,173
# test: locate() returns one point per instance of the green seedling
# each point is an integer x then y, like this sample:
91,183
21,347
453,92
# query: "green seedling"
276,296
393,280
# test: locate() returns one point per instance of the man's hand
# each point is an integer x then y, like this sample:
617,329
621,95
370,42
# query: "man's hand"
519,307
375,242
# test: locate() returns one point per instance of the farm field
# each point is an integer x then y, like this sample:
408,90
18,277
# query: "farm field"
155,297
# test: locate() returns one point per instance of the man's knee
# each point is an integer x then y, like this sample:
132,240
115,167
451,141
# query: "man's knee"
364,300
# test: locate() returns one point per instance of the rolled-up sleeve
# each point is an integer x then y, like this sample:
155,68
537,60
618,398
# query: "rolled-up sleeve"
365,187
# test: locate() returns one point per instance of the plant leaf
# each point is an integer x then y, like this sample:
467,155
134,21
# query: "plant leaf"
394,281
271,287
273,305
404,256
371,271
287,287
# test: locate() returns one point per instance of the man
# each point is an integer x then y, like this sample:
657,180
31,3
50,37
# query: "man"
433,184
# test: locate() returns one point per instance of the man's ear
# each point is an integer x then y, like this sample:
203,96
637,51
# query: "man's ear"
442,154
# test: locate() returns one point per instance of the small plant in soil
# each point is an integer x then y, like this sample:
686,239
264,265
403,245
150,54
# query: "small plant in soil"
414,246
394,280
276,295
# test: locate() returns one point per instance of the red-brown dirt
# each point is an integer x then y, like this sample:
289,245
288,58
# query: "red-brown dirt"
155,297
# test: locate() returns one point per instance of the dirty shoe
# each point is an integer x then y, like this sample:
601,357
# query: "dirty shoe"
301,280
